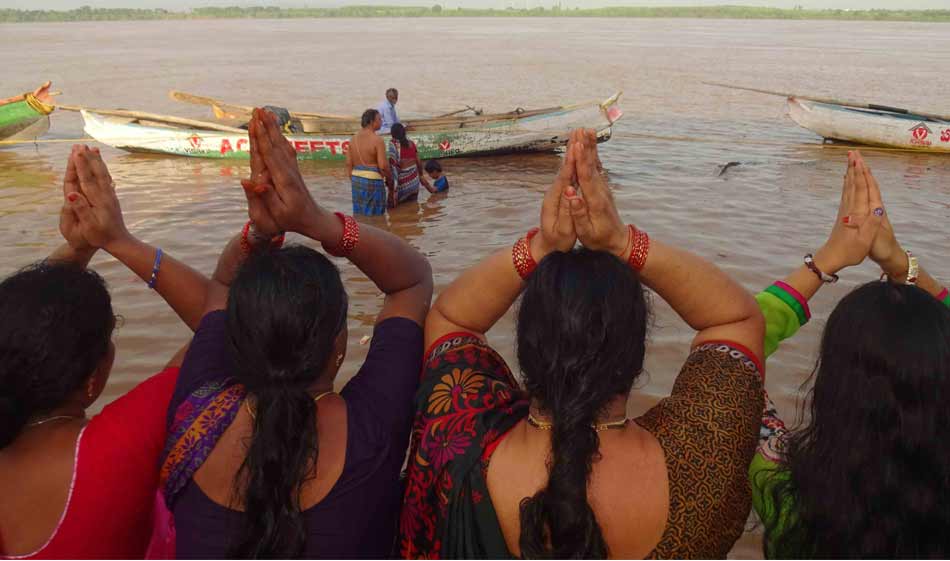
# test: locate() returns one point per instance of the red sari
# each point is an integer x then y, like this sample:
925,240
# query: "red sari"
109,508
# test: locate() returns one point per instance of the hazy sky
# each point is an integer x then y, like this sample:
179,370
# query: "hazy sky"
181,4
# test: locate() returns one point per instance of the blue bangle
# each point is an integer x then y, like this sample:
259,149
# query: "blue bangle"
158,265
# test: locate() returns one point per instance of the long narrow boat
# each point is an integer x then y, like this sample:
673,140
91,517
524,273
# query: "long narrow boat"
871,126
518,131
25,117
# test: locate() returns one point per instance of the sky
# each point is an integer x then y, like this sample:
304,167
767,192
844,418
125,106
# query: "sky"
183,4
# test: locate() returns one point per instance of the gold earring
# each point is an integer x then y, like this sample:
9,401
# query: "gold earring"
339,360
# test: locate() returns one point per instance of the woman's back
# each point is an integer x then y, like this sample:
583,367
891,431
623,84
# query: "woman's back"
87,490
349,507
631,512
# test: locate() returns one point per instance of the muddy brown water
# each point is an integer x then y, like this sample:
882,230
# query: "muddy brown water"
756,220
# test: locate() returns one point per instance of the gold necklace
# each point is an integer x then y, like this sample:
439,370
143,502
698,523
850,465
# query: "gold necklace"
247,403
50,419
598,427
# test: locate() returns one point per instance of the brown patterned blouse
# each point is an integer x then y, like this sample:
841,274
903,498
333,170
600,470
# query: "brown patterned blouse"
468,400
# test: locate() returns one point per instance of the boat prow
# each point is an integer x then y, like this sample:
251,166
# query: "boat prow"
26,117
871,127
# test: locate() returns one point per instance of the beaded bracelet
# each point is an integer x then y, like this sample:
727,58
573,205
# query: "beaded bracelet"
351,237
275,243
155,267
823,277
521,255
641,248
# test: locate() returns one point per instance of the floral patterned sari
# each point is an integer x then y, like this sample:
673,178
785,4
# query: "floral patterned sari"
469,400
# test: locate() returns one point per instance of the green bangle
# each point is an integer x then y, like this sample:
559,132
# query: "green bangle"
790,301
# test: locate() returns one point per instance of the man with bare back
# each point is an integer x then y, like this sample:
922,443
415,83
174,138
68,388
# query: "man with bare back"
368,168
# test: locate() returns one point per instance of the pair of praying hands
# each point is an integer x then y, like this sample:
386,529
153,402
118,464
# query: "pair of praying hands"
277,197
91,216
862,228
588,214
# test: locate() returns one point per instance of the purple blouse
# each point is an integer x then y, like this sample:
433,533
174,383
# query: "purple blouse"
357,519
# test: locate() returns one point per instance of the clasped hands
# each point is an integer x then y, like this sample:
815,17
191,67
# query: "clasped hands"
277,198
589,214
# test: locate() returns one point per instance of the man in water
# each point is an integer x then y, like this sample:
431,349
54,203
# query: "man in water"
368,167
388,110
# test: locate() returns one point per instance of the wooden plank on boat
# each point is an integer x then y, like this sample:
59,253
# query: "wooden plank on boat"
155,118
830,101
241,110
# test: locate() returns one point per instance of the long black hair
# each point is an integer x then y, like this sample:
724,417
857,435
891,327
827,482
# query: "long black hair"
581,338
56,326
285,311
869,476
399,133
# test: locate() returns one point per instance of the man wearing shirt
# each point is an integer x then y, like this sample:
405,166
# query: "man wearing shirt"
387,110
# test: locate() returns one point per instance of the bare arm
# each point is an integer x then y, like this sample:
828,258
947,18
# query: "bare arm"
478,298
681,278
95,207
686,280
397,269
382,161
422,176
349,158
68,254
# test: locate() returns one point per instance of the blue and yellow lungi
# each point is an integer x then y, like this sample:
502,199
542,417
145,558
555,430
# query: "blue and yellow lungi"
369,191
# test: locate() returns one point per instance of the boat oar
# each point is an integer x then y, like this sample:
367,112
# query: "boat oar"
453,113
186,97
155,118
844,102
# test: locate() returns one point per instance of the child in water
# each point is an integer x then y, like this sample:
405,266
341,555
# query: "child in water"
440,183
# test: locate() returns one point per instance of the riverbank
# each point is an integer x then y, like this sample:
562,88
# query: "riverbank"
707,12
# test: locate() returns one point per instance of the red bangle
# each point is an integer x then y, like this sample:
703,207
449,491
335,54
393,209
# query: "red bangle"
275,243
641,248
351,236
521,255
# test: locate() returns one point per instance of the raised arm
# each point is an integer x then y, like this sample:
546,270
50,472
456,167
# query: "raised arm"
683,279
422,176
349,158
93,211
478,298
399,271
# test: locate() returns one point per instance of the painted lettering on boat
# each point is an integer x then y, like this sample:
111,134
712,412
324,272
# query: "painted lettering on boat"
300,146
945,135
919,134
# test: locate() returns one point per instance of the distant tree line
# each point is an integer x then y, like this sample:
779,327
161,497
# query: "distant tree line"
86,13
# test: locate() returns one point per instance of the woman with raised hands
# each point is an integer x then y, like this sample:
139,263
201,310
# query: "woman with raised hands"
74,486
264,459
868,475
556,469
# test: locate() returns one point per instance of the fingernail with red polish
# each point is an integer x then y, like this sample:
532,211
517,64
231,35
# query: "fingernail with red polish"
72,197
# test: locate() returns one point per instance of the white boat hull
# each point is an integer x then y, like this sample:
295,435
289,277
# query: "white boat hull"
535,133
873,128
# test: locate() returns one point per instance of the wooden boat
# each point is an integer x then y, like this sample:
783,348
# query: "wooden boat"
517,131
873,127
25,117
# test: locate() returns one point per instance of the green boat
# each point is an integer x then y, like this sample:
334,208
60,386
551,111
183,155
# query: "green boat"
25,117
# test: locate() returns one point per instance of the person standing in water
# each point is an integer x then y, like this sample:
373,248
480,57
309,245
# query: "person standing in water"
388,110
367,167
